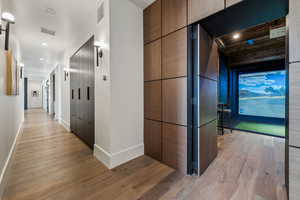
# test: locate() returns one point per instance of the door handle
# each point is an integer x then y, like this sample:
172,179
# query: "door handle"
88,93
72,93
79,93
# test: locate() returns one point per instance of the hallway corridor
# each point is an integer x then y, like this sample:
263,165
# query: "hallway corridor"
50,163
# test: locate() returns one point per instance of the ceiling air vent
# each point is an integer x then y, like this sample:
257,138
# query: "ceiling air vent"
47,31
100,12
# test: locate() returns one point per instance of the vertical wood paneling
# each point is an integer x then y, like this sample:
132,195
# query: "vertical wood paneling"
294,30
175,101
294,105
175,146
153,139
166,99
232,2
174,15
152,22
152,100
294,173
152,61
199,9
174,54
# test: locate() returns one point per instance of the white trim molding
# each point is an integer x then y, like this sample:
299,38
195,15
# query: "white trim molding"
4,173
112,160
65,124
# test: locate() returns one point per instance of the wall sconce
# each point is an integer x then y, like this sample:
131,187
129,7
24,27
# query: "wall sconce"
99,48
9,19
21,70
66,74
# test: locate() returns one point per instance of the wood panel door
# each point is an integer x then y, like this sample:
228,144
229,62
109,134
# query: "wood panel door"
82,93
208,99
199,9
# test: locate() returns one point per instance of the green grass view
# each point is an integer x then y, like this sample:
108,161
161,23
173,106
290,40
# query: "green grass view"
278,130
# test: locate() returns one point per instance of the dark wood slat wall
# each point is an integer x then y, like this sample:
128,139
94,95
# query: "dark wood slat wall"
82,93
165,76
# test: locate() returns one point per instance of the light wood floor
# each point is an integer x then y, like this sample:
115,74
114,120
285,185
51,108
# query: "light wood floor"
52,164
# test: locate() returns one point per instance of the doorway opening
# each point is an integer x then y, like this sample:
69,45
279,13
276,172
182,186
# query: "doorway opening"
236,68
252,79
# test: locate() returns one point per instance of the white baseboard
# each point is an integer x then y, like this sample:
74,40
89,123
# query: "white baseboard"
7,165
112,160
65,124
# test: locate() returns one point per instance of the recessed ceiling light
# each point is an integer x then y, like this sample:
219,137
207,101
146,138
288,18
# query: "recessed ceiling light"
44,44
41,59
236,36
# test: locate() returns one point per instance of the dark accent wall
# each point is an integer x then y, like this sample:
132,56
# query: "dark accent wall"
82,93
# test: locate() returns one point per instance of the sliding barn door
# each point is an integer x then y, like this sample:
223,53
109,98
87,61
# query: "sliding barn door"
82,93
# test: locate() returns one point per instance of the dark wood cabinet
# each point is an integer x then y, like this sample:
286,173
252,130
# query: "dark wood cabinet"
82,93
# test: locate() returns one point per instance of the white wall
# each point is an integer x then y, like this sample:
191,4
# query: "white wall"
11,109
119,99
126,70
34,102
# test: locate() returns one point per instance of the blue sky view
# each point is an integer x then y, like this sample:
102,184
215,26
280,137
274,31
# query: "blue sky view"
262,94
263,83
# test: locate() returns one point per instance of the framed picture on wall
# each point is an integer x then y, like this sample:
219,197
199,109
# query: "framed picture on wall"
12,75
35,93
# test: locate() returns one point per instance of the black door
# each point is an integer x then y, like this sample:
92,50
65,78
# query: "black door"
82,93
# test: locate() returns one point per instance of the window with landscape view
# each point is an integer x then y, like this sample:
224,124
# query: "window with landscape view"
262,94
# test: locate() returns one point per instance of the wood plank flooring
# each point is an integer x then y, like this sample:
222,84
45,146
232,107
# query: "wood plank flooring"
52,164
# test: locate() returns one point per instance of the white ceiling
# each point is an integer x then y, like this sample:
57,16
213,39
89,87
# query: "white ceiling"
31,15
67,20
